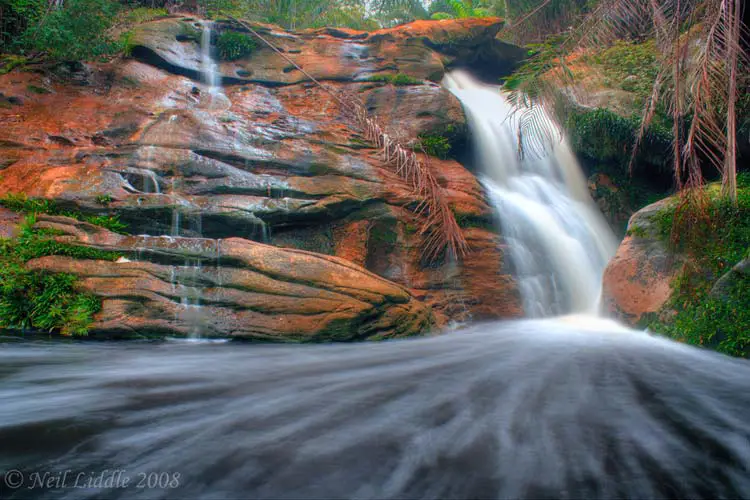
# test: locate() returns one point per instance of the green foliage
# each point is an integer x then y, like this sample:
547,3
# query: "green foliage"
399,79
77,31
529,81
143,15
459,9
40,300
556,16
127,43
15,17
605,136
103,199
723,322
23,204
233,45
19,202
630,66
435,145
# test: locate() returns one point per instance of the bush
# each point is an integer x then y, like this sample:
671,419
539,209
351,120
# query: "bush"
15,17
605,136
435,145
78,31
233,45
144,15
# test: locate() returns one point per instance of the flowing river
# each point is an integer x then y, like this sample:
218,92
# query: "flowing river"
567,408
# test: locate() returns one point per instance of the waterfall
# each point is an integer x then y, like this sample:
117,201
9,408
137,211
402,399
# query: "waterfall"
211,75
558,241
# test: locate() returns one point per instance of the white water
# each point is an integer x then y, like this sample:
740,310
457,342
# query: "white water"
558,241
210,70
563,408
211,75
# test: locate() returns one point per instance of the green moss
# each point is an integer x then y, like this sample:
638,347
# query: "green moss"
103,199
40,300
399,79
37,90
606,137
721,323
9,62
233,45
630,66
23,204
468,221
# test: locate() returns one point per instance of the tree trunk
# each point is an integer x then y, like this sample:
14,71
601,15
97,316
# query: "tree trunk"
729,174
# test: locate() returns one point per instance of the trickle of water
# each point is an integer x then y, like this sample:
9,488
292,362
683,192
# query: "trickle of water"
559,242
211,75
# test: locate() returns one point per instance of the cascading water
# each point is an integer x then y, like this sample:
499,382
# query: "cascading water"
559,242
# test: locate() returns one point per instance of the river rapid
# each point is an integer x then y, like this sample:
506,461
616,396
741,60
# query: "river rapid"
567,408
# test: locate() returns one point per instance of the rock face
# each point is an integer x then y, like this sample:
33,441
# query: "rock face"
422,49
243,288
638,279
271,159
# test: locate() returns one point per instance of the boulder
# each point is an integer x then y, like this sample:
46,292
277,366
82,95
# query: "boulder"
638,279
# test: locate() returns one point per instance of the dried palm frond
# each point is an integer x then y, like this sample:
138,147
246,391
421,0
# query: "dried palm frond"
440,231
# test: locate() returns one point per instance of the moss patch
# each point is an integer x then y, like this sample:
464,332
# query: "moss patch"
399,79
443,144
23,204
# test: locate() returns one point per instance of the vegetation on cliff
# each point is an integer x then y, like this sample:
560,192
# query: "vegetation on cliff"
710,305
38,300
23,204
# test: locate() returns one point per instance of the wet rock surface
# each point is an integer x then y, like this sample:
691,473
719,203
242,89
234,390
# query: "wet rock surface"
276,163
638,279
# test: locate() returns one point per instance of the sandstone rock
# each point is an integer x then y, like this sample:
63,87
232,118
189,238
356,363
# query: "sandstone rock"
410,111
638,279
421,49
241,289
280,165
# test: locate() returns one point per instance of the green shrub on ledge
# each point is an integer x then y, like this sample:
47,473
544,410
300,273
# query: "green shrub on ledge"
233,45
435,145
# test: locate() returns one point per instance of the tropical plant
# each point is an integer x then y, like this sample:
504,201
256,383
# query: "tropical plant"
699,52
459,9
